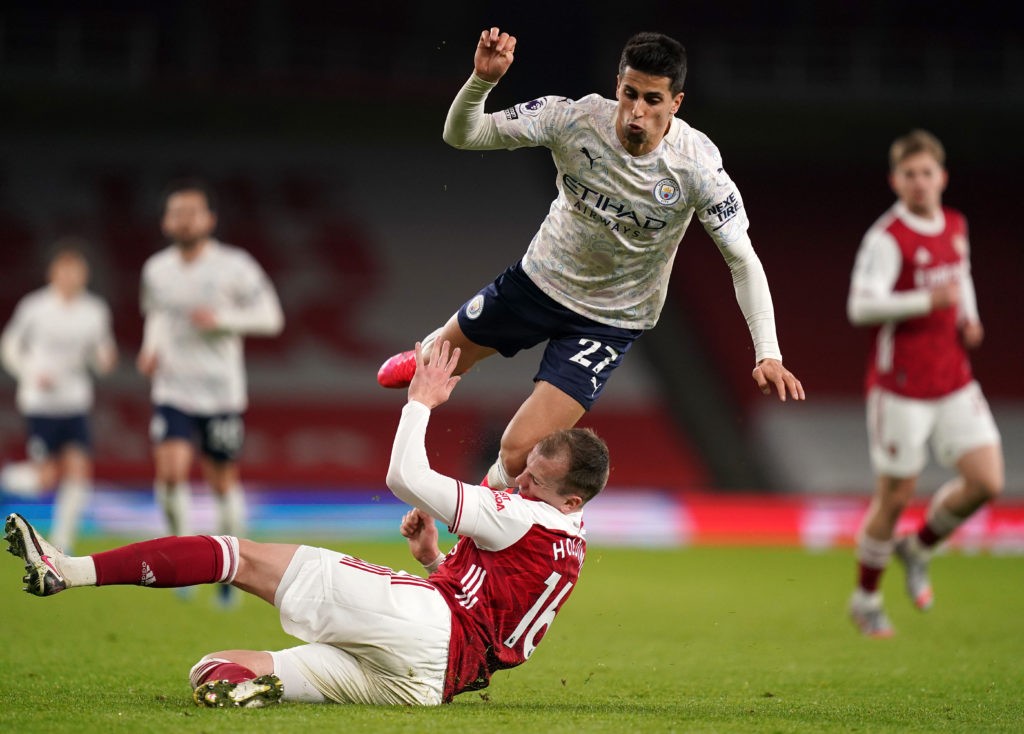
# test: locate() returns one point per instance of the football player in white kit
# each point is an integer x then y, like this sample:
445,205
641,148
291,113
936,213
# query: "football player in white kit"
631,176
55,337
200,297
912,285
375,635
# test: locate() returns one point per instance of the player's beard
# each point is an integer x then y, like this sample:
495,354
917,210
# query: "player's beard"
637,138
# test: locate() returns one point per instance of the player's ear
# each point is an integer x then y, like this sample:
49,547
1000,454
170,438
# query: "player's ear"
677,100
572,503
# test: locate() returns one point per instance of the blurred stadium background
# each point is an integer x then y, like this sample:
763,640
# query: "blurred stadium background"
319,125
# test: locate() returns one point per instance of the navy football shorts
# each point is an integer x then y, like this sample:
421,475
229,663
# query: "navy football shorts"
512,313
220,436
47,435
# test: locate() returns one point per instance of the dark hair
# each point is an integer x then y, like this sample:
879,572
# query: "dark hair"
180,185
587,457
71,247
658,55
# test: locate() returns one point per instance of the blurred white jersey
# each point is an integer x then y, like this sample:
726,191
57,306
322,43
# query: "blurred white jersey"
49,345
606,248
203,372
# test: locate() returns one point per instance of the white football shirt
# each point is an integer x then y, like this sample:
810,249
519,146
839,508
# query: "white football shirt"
203,372
55,341
606,248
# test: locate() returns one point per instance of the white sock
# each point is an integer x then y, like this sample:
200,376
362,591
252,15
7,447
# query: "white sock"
231,512
175,499
72,497
872,552
497,476
428,341
21,478
867,598
77,570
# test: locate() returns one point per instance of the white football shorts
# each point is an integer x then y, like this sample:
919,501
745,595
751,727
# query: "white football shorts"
377,636
899,429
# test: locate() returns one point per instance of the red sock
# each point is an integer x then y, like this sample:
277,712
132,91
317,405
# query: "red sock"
927,536
168,562
231,672
868,577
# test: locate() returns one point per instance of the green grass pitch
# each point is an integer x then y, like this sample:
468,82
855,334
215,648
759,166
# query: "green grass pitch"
690,640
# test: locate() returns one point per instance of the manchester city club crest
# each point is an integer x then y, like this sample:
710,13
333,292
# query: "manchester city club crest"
667,191
475,307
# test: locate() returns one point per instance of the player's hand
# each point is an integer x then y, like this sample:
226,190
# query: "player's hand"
146,363
972,333
105,359
770,373
494,54
433,382
945,296
204,319
419,529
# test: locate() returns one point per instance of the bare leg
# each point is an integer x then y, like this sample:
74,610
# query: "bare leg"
875,541
261,567
980,480
72,495
471,351
892,495
547,409
983,479
173,459
223,479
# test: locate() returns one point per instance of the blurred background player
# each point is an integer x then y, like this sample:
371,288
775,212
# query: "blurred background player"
199,298
912,283
56,335
377,636
630,177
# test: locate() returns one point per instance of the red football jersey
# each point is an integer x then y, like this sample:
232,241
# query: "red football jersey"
922,357
503,599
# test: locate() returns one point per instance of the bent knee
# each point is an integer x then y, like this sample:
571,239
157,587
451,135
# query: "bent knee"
987,489
259,662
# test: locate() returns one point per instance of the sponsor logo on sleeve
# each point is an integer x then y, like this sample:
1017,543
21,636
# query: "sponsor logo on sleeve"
532,108
667,191
511,114
724,211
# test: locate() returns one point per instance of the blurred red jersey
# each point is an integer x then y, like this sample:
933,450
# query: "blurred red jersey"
922,356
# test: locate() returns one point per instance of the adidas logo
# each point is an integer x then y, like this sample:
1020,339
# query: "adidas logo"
148,577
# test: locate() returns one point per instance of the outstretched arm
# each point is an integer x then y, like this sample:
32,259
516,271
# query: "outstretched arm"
467,126
755,301
410,477
495,52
